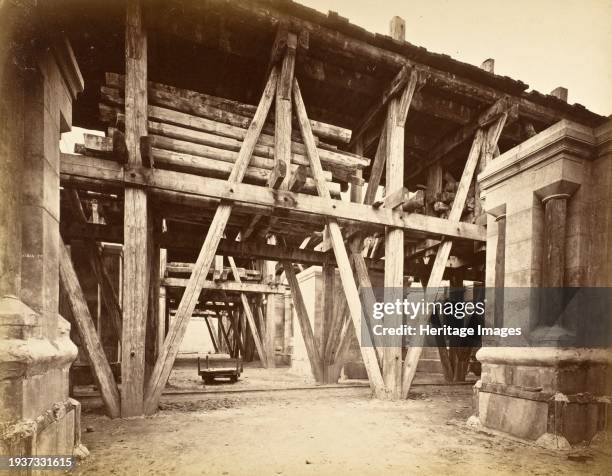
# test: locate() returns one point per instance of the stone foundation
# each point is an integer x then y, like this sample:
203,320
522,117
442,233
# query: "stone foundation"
548,201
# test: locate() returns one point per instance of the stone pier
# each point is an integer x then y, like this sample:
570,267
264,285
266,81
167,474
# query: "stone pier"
549,226
38,82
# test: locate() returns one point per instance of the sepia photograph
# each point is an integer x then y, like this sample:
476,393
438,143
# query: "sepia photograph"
305,237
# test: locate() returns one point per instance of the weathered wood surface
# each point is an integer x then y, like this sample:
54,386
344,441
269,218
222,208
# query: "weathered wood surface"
87,332
333,158
135,262
481,140
175,185
243,112
163,367
344,266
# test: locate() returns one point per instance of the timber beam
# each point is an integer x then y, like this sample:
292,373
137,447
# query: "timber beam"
84,170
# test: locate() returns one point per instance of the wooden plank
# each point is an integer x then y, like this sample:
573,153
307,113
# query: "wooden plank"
135,262
442,255
87,332
344,266
178,184
249,315
314,357
227,286
164,364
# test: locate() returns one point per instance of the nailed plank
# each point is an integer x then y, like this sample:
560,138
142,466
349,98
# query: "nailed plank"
88,335
342,259
164,364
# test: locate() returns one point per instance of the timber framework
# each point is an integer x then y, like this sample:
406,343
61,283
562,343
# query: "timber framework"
239,134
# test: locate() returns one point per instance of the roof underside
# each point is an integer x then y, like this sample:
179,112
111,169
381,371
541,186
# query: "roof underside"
223,47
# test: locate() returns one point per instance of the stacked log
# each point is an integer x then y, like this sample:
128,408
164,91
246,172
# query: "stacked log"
443,201
202,134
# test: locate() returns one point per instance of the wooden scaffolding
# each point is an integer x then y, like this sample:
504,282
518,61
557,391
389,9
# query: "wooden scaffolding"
338,114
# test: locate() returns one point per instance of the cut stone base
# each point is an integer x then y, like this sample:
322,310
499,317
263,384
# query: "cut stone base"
553,396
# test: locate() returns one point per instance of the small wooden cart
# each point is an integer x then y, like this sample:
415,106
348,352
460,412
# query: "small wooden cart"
219,366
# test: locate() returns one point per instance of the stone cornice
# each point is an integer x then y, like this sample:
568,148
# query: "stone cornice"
67,64
564,139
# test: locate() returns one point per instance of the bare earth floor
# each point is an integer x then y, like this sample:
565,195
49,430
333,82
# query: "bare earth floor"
321,431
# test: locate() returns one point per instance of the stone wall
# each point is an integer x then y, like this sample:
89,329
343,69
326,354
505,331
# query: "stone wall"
37,87
550,198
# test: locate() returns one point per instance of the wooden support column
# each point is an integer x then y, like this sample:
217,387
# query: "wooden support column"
342,259
329,317
164,363
87,333
163,305
270,331
283,117
394,253
152,326
135,259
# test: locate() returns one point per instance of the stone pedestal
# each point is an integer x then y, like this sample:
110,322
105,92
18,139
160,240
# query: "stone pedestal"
549,225
36,93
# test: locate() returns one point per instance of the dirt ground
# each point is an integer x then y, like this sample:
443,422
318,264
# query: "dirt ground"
320,431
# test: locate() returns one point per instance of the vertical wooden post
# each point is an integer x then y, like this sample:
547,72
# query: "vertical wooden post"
329,319
434,186
282,111
135,262
161,315
270,330
394,237
394,254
